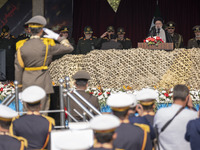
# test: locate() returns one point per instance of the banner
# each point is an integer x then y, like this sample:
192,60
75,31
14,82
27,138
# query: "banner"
59,13
15,13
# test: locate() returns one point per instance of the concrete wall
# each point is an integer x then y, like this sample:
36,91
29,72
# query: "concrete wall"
38,7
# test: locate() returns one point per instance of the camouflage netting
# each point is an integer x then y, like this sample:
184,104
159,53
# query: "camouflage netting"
137,68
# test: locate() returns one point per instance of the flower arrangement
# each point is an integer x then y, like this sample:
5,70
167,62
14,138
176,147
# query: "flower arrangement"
6,88
165,95
153,40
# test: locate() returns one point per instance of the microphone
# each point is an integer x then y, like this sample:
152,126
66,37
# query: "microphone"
158,31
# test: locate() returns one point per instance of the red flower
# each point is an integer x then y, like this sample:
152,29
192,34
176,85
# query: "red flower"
108,93
144,41
1,89
100,93
91,93
166,94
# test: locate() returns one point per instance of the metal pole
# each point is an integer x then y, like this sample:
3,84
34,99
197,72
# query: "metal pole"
62,114
78,113
90,105
16,96
67,79
10,100
81,105
71,116
6,99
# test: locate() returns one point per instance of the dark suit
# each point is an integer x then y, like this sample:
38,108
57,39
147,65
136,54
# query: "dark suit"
111,45
167,35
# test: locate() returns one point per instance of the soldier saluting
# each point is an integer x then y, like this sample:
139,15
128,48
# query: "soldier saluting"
34,55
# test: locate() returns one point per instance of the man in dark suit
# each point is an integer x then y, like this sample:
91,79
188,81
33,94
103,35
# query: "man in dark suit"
158,30
112,44
126,42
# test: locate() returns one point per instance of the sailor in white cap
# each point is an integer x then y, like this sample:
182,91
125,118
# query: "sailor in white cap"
34,55
74,140
8,141
104,130
147,98
33,126
129,136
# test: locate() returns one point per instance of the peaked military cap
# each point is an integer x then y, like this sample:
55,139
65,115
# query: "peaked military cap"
39,20
120,101
88,30
120,30
110,29
33,94
6,113
171,24
5,29
81,75
196,28
147,96
64,29
104,123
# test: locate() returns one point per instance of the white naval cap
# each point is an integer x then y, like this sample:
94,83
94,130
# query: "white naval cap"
73,140
104,123
6,113
33,94
146,96
120,101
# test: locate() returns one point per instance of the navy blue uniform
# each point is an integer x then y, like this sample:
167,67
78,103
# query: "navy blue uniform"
193,134
143,120
130,137
8,142
101,148
35,128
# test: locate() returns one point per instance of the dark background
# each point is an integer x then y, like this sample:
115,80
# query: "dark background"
135,16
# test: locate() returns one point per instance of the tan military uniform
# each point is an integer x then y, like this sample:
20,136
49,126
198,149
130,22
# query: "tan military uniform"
192,43
91,99
32,60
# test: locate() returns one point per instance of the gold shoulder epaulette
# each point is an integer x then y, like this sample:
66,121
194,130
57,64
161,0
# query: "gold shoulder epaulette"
105,38
49,41
20,43
49,119
94,37
80,38
23,140
128,39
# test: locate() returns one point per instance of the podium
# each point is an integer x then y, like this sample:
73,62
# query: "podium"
160,46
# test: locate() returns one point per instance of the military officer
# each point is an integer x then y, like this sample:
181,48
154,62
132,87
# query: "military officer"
104,130
147,97
87,43
81,83
64,32
105,37
25,35
112,44
6,33
126,42
33,126
177,38
8,141
129,136
34,55
7,42
195,42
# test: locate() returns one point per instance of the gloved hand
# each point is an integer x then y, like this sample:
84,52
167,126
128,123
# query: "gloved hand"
50,34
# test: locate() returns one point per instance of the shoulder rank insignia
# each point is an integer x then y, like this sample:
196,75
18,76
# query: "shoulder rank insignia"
80,38
128,39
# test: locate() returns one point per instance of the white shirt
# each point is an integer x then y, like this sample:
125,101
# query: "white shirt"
173,137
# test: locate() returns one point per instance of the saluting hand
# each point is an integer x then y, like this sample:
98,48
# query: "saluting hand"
103,35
